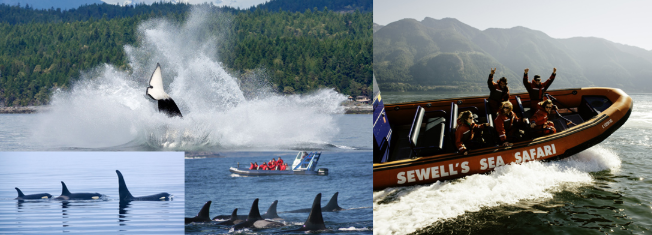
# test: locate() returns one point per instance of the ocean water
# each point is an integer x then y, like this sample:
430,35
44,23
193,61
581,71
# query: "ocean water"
107,109
145,173
603,190
350,174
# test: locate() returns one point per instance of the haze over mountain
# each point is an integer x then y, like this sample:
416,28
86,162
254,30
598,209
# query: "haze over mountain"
448,54
47,4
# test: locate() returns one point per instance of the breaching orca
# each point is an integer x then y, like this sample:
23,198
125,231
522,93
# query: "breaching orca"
156,92
125,195
315,221
331,206
254,220
22,196
66,195
202,216
233,220
270,214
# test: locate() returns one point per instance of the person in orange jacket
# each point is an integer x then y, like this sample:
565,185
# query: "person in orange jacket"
540,119
536,88
466,130
498,92
508,124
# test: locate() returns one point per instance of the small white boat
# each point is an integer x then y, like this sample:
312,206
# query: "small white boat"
304,164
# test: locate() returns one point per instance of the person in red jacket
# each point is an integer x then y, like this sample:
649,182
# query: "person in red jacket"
540,119
263,167
283,167
536,88
508,125
252,167
279,161
466,131
498,92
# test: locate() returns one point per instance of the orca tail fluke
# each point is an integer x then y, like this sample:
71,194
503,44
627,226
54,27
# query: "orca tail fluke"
332,204
20,193
64,189
155,91
254,213
122,188
315,220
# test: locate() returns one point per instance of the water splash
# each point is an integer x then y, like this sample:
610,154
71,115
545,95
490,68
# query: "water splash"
406,209
108,108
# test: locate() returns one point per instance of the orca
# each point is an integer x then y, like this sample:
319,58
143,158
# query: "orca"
125,195
66,195
22,196
202,216
331,206
254,220
315,220
155,91
233,220
270,214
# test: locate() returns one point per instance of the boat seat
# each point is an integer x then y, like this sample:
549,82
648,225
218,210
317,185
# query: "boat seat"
452,126
428,139
521,109
492,136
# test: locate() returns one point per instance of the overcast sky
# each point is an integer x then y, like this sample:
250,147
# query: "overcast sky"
626,21
232,3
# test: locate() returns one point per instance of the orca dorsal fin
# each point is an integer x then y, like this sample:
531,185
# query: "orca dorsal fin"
271,212
315,221
64,189
332,204
155,89
234,215
122,188
20,193
204,212
254,213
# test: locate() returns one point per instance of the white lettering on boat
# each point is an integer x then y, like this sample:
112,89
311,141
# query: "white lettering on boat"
433,172
534,153
606,124
490,163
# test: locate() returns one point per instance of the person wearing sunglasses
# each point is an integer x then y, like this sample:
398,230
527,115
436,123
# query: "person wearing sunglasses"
536,88
540,120
508,125
468,135
498,92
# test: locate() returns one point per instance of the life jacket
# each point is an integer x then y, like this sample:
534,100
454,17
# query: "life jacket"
504,124
463,133
282,167
252,166
279,161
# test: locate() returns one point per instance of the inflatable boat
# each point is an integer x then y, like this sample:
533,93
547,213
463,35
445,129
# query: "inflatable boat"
304,164
414,141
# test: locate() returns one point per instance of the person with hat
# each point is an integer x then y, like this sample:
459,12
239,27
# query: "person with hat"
536,88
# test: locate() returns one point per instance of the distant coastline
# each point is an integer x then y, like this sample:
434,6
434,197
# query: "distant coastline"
349,109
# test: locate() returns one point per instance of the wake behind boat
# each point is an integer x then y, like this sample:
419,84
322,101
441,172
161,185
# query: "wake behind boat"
304,164
414,141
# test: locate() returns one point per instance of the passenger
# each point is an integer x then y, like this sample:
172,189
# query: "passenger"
540,119
536,89
466,130
508,125
284,166
256,167
279,161
264,167
498,92
252,167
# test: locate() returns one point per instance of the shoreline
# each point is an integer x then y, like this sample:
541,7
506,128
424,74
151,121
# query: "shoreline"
349,109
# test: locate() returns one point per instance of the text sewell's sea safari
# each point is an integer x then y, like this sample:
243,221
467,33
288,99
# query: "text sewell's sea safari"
414,141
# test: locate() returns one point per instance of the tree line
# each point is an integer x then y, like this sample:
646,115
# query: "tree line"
301,51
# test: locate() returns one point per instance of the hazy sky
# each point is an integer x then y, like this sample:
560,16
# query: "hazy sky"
626,21
232,3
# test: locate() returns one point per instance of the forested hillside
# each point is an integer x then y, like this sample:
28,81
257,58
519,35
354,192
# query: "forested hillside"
448,54
300,51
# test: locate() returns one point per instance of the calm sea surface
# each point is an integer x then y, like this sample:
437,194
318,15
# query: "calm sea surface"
350,174
346,132
145,173
606,189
